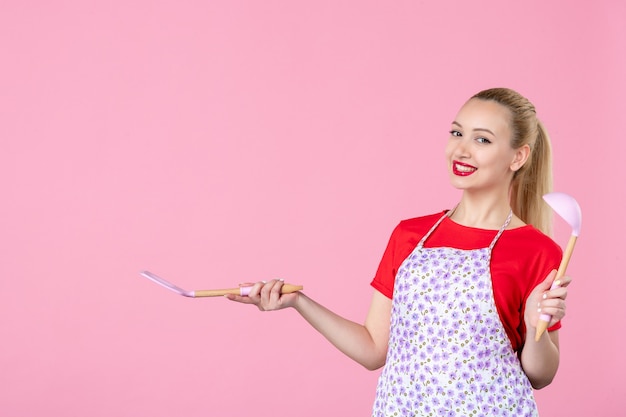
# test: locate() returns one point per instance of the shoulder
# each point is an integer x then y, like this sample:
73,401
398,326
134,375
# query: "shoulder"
528,239
407,233
418,224
527,253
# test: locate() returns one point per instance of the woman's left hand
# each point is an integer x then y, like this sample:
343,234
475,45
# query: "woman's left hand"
543,300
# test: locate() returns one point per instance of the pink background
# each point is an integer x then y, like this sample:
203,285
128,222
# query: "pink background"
217,142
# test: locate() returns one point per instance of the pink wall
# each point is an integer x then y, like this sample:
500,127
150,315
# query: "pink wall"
216,142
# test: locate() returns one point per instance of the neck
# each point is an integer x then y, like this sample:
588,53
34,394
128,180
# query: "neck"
484,212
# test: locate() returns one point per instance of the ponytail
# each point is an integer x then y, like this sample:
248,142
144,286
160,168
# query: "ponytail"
534,179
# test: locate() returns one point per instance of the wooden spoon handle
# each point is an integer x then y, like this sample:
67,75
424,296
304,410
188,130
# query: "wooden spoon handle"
544,320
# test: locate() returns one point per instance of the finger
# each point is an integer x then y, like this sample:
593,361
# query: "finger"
551,304
256,289
554,308
268,289
264,290
556,317
275,292
559,292
253,295
239,298
263,299
564,281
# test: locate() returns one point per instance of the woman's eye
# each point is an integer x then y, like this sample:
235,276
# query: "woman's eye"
483,140
455,133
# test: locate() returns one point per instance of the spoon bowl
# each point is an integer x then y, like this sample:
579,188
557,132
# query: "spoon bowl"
567,207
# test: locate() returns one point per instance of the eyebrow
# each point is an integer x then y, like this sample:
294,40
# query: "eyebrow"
479,129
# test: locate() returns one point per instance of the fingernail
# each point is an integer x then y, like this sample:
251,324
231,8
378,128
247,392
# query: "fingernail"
281,280
538,310
557,282
264,282
545,296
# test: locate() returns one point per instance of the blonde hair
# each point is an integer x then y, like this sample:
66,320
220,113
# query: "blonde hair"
534,178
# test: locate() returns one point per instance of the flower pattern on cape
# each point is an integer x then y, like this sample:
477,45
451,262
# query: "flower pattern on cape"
449,354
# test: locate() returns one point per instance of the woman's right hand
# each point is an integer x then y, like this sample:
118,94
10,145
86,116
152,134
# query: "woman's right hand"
266,296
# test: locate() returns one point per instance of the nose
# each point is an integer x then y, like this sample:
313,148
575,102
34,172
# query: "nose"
460,148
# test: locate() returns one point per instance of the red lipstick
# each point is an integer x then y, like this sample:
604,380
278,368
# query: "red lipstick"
461,169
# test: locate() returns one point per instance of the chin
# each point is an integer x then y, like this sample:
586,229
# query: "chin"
458,183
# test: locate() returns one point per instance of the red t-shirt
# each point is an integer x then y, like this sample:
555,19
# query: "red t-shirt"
520,260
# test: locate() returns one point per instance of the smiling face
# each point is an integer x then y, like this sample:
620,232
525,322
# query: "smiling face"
479,152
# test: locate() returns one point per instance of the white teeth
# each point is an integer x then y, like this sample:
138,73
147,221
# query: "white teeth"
463,168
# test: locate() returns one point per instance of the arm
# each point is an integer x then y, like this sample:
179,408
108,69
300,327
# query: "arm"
365,343
540,360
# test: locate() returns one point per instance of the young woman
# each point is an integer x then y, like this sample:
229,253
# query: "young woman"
458,294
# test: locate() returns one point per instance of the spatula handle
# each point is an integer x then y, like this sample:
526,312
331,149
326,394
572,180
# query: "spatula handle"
286,289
